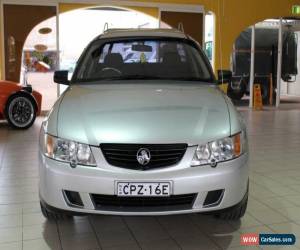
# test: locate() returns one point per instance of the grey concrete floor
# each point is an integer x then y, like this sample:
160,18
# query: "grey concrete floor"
274,204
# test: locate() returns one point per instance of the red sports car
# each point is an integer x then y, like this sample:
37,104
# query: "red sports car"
19,104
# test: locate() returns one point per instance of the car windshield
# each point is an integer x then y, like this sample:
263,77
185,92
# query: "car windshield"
143,59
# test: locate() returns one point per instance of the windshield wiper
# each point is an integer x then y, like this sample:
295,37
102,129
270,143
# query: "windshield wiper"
136,77
196,79
144,77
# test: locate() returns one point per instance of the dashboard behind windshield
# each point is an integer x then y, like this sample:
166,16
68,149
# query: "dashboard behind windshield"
175,59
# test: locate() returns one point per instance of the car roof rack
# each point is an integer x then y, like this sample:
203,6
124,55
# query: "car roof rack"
180,27
105,28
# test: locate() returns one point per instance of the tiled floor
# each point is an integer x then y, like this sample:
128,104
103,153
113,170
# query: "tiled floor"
274,199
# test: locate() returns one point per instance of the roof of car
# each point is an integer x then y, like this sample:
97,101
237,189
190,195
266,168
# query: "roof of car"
115,33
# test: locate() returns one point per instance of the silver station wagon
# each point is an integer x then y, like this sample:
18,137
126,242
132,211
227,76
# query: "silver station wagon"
143,129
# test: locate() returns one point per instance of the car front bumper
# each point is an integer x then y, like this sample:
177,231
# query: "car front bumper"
231,176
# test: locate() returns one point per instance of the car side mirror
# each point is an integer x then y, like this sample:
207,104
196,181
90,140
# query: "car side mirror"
61,77
224,76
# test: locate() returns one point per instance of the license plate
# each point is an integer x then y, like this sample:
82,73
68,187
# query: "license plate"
143,188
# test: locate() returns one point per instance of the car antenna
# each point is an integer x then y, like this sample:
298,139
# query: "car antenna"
180,27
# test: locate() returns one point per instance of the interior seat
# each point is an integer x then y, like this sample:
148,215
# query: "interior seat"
114,60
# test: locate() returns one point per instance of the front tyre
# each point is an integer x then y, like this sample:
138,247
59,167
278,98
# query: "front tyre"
20,111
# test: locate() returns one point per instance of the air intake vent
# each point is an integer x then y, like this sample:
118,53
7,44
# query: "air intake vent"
73,198
213,198
115,203
125,155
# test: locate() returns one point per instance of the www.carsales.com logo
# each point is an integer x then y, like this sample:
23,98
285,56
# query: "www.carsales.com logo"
249,239
267,239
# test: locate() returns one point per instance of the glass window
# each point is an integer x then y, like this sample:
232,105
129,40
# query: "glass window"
143,59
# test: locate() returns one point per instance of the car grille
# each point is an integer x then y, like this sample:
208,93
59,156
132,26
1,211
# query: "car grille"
115,203
125,155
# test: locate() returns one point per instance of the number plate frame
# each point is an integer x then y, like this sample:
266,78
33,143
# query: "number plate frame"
143,183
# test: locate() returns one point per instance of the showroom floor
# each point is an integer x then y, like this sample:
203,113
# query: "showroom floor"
274,204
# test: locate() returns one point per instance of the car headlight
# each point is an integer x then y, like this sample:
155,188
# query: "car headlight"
220,150
68,151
